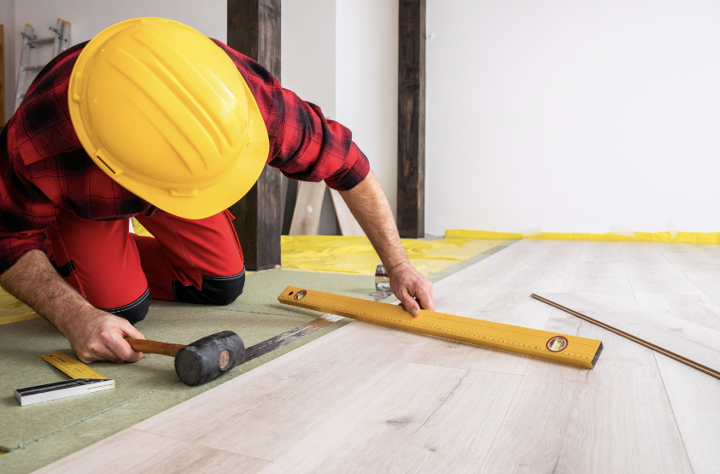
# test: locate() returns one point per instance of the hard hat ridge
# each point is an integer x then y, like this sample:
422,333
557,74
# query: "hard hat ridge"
165,113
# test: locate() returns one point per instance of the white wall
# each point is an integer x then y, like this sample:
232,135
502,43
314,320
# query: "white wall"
342,56
368,82
573,115
308,51
89,17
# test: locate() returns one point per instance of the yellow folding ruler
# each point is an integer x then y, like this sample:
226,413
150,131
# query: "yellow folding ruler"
71,366
573,350
84,380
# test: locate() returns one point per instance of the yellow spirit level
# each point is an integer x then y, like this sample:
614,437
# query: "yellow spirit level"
572,350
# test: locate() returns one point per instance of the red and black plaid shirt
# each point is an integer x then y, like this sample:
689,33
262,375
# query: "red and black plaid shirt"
44,168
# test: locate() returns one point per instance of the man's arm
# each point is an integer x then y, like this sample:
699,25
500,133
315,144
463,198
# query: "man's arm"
370,207
93,334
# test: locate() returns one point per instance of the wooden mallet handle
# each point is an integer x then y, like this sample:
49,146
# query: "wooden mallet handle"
154,347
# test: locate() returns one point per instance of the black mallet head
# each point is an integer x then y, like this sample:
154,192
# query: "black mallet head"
209,357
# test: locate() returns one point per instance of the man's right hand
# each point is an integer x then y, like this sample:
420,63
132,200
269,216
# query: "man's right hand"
97,335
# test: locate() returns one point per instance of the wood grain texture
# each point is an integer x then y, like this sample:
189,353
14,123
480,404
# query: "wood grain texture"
615,418
279,404
132,451
421,419
650,271
254,30
348,224
599,269
694,398
677,338
306,216
411,119
692,394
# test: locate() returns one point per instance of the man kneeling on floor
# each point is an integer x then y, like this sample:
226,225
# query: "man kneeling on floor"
153,120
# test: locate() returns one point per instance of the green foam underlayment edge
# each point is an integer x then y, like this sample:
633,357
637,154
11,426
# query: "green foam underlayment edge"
259,298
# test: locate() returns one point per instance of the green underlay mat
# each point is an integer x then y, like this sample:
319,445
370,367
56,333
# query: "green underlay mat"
39,434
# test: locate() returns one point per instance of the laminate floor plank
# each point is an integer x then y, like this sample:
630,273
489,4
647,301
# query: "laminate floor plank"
650,271
698,309
694,398
697,343
131,451
482,291
371,399
422,419
444,353
599,270
496,288
615,418
266,413
699,263
690,392
693,395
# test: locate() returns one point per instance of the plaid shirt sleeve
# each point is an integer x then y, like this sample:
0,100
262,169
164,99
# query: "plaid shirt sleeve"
304,145
44,168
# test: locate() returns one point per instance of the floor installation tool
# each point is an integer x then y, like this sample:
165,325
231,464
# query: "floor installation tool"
201,361
692,344
84,380
572,350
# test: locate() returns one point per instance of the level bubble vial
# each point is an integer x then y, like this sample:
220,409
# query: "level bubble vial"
556,344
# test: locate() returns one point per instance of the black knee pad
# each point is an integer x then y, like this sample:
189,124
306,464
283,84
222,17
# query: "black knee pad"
216,290
135,311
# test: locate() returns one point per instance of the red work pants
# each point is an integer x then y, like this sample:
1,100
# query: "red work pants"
195,261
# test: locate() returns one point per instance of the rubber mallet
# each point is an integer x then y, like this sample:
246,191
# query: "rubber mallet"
201,361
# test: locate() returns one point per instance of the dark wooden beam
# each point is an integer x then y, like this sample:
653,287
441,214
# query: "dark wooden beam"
411,120
254,30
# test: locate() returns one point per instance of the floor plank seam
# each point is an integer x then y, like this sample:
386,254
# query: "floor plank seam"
444,401
387,370
299,315
717,301
199,445
569,274
502,422
625,267
672,410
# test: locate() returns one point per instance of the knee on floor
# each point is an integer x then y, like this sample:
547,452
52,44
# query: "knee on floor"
135,311
216,290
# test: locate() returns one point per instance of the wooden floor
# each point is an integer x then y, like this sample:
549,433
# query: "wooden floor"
375,400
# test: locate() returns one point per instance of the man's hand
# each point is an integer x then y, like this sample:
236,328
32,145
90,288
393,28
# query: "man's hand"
370,207
410,287
97,335
93,334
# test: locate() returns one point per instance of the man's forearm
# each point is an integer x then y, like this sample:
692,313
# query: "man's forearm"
370,207
93,333
34,281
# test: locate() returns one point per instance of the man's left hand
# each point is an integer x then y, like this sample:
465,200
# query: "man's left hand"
411,288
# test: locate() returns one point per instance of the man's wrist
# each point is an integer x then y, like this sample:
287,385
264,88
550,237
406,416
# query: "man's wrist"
396,266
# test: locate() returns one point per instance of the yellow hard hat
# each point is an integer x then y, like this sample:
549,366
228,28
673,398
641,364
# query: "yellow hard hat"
165,113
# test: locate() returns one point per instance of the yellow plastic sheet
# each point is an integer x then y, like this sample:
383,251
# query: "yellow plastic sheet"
681,237
139,229
336,253
332,253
